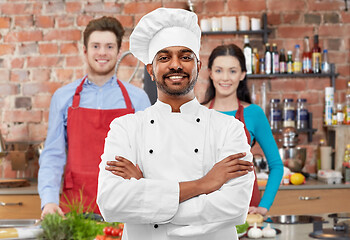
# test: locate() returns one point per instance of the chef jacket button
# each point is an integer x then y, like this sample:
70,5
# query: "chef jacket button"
150,151
196,150
152,121
155,226
198,120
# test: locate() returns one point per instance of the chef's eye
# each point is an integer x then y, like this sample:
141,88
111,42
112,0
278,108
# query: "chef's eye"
95,46
187,58
163,58
233,71
218,70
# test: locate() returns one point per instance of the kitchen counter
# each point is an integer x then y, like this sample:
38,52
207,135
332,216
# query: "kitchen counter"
311,184
296,231
30,190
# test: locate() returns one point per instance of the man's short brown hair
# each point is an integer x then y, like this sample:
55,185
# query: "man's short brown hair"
104,24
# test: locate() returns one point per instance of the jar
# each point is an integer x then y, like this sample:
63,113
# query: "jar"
302,115
288,113
275,115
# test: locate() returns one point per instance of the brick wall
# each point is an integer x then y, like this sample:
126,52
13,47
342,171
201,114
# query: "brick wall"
41,50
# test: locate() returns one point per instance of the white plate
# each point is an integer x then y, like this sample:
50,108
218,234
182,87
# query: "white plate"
242,234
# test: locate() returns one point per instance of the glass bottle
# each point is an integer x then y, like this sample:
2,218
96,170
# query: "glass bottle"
256,64
321,143
283,62
275,116
289,62
288,113
326,68
247,50
262,65
275,59
340,114
268,59
307,67
316,56
302,118
297,65
346,164
347,105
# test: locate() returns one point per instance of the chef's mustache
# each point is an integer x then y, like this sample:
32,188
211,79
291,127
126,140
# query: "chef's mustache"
178,71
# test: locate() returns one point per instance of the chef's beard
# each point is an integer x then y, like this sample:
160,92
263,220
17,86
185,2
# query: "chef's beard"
162,86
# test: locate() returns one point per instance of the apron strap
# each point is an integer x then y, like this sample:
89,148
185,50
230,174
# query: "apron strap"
239,115
76,97
125,95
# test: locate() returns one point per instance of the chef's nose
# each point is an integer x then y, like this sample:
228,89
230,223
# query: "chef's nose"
175,63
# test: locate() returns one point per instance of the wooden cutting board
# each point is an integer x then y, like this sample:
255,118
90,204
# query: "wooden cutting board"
10,183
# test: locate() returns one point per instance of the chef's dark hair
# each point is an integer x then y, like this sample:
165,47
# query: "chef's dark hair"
234,51
104,24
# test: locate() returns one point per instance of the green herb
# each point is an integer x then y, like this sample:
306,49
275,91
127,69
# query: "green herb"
242,228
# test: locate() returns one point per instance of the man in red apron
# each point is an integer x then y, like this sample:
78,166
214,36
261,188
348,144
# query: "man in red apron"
80,114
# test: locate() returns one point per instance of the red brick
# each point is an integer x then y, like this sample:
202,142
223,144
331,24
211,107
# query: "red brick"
28,48
288,85
48,48
18,132
136,8
65,21
5,22
19,76
54,7
44,22
129,61
126,21
37,132
325,5
25,36
17,63
31,89
318,83
69,48
40,75
182,5
112,7
63,74
238,6
6,49
73,7
334,30
42,61
294,31
24,21
286,5
79,73
41,101
344,15
37,8
66,35
22,116
8,89
74,61
292,18
215,6
337,57
83,20
274,18
344,70
5,75
15,8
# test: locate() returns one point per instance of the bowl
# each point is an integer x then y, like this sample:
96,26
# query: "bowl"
293,158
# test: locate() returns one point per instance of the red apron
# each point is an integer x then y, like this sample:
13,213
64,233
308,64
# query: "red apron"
86,133
239,115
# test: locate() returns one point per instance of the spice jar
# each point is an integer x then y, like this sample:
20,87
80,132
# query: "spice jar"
302,115
275,115
288,113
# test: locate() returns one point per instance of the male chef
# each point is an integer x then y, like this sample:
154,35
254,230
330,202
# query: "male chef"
176,170
79,118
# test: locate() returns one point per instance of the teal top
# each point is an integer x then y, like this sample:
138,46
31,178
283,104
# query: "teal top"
259,129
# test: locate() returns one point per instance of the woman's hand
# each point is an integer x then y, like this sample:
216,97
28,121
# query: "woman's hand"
259,210
51,208
124,168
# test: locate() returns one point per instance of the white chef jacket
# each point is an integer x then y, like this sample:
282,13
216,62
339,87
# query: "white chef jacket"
171,148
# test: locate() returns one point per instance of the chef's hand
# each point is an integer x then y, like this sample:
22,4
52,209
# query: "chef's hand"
225,170
259,210
124,168
51,208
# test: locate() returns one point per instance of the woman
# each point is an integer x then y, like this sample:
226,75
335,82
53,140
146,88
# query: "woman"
229,94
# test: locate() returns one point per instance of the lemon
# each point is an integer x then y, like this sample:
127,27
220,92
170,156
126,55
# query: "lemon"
297,178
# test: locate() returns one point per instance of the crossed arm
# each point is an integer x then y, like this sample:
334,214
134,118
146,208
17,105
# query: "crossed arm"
229,168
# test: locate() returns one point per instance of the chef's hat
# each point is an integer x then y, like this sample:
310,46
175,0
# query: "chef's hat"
165,27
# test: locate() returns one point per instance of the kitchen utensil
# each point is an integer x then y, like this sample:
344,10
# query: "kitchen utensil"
293,219
340,230
293,158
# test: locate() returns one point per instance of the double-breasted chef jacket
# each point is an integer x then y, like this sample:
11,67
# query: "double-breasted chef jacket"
173,147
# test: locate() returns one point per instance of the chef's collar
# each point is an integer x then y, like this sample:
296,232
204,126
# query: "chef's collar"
189,107
111,81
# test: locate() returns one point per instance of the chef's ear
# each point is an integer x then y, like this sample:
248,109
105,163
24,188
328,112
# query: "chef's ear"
84,50
199,65
149,68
